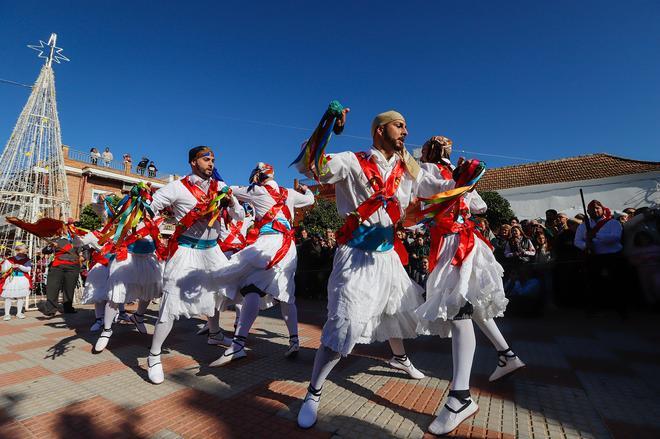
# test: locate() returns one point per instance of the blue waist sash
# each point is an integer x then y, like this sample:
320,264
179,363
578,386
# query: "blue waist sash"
142,247
373,238
201,244
267,229
18,273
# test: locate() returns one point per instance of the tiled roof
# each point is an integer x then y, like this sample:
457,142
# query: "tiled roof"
584,167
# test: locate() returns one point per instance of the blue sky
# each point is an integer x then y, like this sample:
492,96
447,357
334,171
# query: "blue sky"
532,79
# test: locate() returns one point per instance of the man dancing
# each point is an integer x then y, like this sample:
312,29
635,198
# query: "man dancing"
465,284
264,270
370,295
197,201
233,238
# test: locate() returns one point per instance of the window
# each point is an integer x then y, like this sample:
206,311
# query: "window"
96,193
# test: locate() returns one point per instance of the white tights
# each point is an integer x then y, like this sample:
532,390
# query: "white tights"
490,330
19,306
463,344
112,309
326,359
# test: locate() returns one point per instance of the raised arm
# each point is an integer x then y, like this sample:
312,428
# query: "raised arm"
337,167
429,183
306,198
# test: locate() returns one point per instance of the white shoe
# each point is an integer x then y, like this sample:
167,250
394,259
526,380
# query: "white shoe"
20,316
448,419
229,356
203,330
103,340
97,326
139,325
219,339
308,411
292,352
156,374
407,367
507,363
6,317
124,317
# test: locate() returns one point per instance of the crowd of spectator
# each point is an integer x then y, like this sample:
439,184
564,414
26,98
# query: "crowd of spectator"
548,262
144,165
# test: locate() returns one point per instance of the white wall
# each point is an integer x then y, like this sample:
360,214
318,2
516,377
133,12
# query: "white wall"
617,193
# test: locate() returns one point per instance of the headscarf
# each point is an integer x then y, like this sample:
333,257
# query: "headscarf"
607,213
261,172
197,152
384,119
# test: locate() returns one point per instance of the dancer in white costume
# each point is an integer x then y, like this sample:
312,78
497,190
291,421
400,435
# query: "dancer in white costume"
138,276
232,240
370,295
16,282
96,283
265,269
188,287
465,285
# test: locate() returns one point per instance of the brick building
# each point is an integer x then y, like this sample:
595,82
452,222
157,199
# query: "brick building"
87,180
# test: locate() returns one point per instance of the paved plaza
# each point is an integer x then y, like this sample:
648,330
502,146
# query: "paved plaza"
586,378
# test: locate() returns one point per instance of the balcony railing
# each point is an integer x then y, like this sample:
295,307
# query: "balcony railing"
86,157
116,164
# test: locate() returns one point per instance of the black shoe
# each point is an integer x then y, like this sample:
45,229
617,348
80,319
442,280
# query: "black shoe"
46,308
69,309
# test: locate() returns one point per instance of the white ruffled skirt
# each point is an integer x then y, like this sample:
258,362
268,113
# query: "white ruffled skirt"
478,281
370,298
16,287
248,266
191,286
96,285
138,277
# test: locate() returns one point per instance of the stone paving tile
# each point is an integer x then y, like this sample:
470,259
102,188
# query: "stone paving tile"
585,379
41,395
622,399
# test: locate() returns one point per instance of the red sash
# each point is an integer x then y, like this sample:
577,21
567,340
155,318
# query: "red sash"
195,214
11,271
383,197
287,234
61,252
228,245
447,224
599,225
98,257
150,229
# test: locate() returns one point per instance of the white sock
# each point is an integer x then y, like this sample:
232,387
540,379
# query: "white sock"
161,332
110,312
238,307
463,344
248,314
99,309
7,306
214,323
490,329
290,316
19,306
324,361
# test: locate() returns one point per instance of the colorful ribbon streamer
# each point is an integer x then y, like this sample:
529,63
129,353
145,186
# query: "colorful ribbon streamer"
313,152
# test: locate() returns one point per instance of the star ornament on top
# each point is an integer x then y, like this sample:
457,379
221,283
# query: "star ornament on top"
49,50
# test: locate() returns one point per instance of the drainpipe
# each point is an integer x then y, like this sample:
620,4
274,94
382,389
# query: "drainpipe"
81,196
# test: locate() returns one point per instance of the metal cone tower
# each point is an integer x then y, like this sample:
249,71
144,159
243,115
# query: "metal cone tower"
32,176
